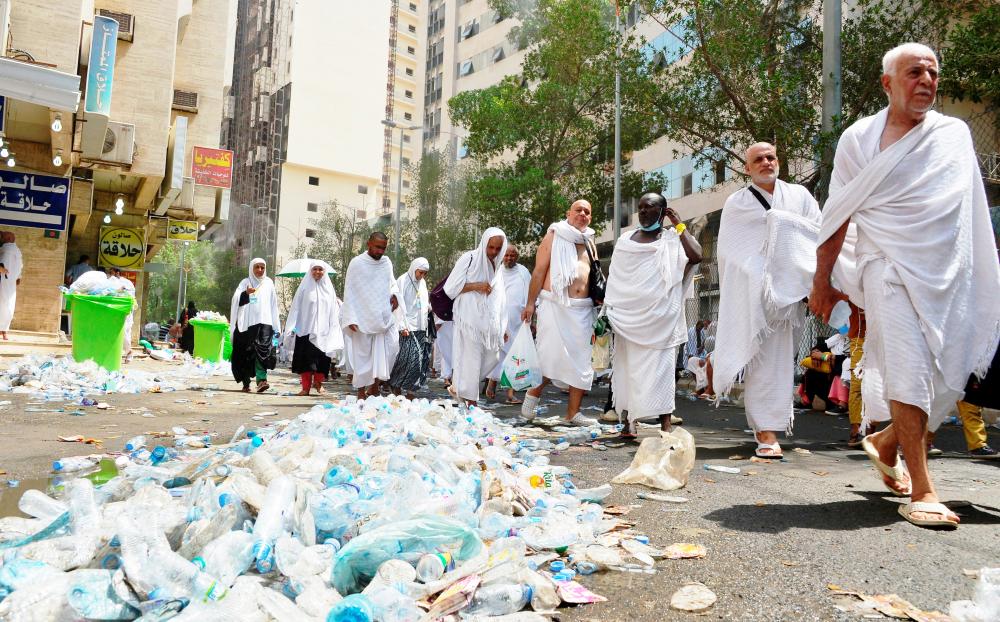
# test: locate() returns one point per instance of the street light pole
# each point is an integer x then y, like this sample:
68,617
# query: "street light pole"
831,82
618,129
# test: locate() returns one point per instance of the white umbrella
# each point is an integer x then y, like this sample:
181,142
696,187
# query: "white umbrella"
299,267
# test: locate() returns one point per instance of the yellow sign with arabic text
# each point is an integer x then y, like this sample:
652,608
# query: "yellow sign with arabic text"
122,247
186,230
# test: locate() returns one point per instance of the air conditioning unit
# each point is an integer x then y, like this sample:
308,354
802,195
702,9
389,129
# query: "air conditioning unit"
126,23
185,100
119,143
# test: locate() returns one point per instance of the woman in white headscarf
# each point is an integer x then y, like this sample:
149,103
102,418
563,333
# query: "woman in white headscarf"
254,322
476,285
314,319
413,362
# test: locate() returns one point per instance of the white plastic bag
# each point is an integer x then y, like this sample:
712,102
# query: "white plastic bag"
663,461
521,369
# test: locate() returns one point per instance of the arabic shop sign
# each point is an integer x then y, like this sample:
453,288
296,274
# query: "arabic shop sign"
122,247
182,230
212,167
101,70
29,200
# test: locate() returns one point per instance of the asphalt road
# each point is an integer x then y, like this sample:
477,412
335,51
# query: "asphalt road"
777,534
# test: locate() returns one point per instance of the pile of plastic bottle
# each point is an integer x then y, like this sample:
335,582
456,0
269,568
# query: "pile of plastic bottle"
96,283
65,379
384,510
211,316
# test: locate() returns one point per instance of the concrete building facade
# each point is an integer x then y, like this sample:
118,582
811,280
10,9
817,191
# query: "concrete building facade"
167,69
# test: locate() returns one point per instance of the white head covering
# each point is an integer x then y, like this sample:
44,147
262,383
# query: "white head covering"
316,312
414,295
262,311
480,316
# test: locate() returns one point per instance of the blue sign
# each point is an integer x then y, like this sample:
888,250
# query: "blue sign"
30,200
101,70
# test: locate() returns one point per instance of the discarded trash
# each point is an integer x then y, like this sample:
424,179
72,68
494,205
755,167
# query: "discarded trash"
720,469
693,597
663,461
666,498
371,510
985,603
890,605
684,550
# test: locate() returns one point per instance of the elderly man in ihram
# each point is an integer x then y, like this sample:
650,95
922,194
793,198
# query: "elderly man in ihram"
11,264
921,262
766,264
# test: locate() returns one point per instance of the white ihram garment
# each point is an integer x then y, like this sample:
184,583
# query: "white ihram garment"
443,347
645,304
565,325
480,320
924,265
766,264
372,349
10,257
516,281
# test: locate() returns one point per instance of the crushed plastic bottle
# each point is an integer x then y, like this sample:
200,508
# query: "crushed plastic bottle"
499,600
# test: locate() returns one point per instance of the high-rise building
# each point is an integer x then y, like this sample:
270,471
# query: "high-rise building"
104,102
309,94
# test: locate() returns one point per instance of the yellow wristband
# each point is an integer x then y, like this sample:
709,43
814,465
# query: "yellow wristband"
680,228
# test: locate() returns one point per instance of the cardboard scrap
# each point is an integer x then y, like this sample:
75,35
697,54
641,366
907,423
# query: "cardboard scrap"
685,550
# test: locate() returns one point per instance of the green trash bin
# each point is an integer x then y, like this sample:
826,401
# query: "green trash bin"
99,328
209,337
227,346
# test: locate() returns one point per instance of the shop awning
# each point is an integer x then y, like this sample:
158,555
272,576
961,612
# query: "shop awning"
39,85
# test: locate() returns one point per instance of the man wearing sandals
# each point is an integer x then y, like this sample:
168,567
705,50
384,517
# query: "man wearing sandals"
559,283
906,234
766,236
516,280
650,269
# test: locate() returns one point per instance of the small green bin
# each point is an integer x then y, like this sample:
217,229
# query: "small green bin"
209,339
227,347
99,328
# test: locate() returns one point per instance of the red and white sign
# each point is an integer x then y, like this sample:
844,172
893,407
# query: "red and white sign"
212,167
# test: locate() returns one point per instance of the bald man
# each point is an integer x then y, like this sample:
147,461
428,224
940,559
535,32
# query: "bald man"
559,286
766,265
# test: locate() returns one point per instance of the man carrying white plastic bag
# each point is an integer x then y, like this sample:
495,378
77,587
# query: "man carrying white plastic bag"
521,369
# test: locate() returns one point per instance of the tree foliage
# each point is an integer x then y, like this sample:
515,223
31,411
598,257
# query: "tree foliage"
752,70
445,224
212,277
972,59
543,138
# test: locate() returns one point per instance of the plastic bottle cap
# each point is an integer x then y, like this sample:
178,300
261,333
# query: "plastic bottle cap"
642,539
257,441
557,565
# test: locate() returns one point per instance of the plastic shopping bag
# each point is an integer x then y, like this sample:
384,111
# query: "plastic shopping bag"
521,369
663,461
600,352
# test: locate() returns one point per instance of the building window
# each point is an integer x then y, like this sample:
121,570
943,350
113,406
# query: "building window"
406,184
412,28
407,116
465,68
720,171
499,54
469,30
408,94
413,7
406,138
406,161
310,233
412,51
312,207
313,181
687,184
409,71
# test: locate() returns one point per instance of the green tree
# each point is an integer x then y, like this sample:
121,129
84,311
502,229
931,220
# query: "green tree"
543,138
445,224
752,70
973,59
212,277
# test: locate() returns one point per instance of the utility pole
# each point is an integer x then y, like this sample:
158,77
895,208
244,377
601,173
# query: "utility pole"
618,129
180,283
390,124
831,85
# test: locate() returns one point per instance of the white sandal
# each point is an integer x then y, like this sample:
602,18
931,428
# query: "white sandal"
907,509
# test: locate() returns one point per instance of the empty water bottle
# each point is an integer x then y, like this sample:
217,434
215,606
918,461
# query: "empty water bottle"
354,608
840,316
38,504
135,443
227,557
71,464
92,595
271,521
433,566
499,600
